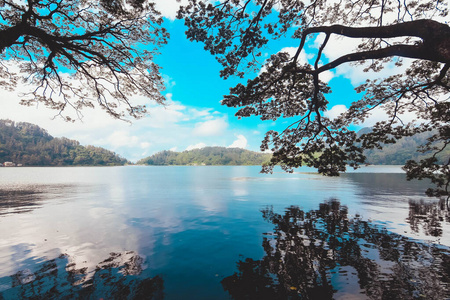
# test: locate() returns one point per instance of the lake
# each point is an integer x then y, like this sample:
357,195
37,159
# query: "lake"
218,233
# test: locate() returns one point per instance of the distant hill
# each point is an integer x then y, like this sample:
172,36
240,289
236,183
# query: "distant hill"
402,151
217,156
30,145
391,154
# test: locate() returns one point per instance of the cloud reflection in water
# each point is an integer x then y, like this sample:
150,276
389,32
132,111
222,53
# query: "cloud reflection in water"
117,277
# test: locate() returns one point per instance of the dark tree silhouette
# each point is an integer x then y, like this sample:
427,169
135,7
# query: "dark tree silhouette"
388,32
311,255
77,53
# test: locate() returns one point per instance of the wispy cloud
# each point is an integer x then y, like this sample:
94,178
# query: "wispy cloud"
213,127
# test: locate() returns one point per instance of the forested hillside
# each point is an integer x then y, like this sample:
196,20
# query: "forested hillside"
391,154
402,151
207,156
30,145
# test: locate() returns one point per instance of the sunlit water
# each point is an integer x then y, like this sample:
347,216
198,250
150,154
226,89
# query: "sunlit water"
202,232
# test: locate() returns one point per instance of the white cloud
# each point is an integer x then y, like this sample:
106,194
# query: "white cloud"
379,114
145,145
358,76
211,128
326,76
376,115
241,142
169,8
160,116
168,81
196,146
338,46
171,126
165,127
204,114
302,58
122,138
173,149
335,111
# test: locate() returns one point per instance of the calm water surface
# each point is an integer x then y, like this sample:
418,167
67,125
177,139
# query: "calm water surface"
219,232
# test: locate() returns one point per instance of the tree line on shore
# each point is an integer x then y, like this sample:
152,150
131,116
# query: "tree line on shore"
402,150
392,154
29,145
208,156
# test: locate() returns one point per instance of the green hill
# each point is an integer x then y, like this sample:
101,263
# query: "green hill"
30,145
214,156
391,154
402,151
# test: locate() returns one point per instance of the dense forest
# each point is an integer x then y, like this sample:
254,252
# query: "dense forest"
207,156
391,154
403,150
30,145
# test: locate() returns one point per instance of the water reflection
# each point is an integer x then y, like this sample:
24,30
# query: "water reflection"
324,254
428,216
19,201
387,184
25,198
117,277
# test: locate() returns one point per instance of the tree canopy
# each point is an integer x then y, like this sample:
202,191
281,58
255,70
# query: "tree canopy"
29,145
80,52
410,33
208,156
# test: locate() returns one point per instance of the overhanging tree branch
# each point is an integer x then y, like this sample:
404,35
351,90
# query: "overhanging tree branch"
416,30
93,41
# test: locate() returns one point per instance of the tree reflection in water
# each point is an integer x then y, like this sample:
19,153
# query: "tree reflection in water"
428,216
24,199
322,254
117,277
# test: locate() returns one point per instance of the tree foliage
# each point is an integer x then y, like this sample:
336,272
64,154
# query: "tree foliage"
210,156
80,52
389,32
30,145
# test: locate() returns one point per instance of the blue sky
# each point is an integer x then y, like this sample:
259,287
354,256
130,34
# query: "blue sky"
193,116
